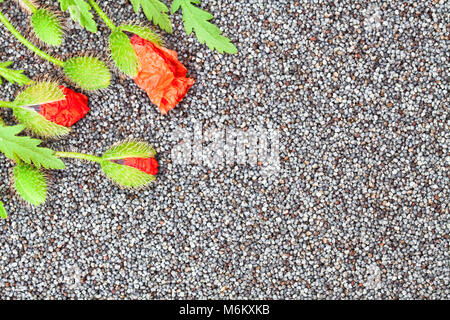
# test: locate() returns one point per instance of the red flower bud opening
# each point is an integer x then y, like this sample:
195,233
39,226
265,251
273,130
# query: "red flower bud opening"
147,165
162,76
68,111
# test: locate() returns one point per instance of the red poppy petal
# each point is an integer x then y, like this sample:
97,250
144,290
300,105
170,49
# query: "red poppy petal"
147,165
155,73
162,76
169,56
68,111
175,93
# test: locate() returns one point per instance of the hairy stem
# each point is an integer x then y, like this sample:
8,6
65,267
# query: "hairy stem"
27,43
6,104
29,5
102,15
76,155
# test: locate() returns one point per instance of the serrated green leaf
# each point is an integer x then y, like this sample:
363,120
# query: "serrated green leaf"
39,93
176,4
13,76
30,183
90,73
197,20
126,176
47,27
123,53
3,213
143,32
129,149
155,11
38,124
80,12
26,149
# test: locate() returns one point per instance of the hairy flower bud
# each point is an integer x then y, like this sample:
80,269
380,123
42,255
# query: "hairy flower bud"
130,164
48,109
68,111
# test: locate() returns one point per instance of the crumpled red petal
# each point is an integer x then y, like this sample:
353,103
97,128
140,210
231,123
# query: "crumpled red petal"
162,76
147,165
68,111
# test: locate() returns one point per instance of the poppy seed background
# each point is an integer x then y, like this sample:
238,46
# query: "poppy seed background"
359,94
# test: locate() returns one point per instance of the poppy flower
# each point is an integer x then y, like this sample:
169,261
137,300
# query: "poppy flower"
147,165
162,76
68,111
130,163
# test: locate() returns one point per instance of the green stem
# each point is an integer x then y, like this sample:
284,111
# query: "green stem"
102,15
2,122
30,5
27,43
6,104
76,155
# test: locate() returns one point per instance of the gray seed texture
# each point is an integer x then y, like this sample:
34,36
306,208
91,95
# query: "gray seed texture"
359,210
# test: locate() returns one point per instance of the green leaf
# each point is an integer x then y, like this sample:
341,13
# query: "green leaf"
13,76
155,11
3,213
39,93
143,32
126,176
197,20
26,149
90,73
79,12
123,53
30,183
38,124
47,27
129,149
